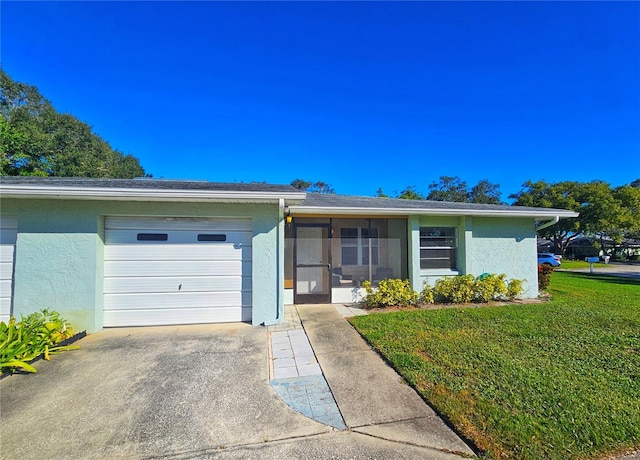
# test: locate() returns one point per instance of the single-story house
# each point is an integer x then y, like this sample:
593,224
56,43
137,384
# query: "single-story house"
113,252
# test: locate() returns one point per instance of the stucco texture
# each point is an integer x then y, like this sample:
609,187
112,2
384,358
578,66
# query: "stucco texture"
505,245
488,245
60,248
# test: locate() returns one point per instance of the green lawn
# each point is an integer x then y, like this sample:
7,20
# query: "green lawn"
554,380
570,264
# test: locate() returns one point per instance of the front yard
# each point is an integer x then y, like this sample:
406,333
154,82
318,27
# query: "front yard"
553,380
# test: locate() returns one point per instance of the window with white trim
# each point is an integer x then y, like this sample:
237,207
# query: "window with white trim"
354,244
438,248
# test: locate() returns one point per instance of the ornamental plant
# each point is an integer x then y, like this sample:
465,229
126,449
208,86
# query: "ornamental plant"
390,292
455,289
36,335
465,288
544,276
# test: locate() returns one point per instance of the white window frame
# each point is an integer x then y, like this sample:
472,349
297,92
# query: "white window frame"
453,264
361,243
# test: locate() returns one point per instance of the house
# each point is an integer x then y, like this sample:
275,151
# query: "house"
112,252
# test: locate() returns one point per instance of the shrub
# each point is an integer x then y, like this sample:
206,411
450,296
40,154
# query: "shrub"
489,287
454,289
426,296
514,289
390,292
544,276
466,288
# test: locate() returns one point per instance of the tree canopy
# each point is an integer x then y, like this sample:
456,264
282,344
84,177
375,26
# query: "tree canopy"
313,187
36,140
452,188
605,212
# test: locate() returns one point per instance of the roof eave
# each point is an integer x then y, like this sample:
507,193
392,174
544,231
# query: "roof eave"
129,194
538,214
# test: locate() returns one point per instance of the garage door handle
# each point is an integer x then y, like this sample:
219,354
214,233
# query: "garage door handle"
179,286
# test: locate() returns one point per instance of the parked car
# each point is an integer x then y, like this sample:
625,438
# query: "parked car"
546,258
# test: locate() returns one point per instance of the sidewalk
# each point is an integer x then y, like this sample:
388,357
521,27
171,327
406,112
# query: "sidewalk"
372,398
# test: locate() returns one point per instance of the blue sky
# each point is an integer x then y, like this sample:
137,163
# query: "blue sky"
358,94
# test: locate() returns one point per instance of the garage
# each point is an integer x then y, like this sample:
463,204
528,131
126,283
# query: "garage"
8,233
162,271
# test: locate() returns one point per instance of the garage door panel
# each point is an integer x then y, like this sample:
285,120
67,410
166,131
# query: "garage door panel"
163,317
174,284
231,224
8,237
222,251
6,270
5,287
153,301
176,268
5,308
6,252
170,277
177,237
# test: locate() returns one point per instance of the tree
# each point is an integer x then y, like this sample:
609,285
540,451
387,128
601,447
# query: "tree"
380,193
561,195
450,188
485,192
36,140
605,213
410,193
612,214
312,187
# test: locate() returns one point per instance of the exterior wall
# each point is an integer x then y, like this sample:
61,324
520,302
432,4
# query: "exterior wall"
505,245
485,245
60,253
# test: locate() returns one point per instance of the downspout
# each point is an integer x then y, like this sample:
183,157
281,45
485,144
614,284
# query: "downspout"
553,221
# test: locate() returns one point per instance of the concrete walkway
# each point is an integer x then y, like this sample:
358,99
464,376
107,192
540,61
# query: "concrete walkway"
372,398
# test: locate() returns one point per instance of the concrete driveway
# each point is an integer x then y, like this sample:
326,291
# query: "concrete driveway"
170,392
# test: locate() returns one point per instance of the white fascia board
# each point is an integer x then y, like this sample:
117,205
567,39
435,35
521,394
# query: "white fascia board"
515,212
129,194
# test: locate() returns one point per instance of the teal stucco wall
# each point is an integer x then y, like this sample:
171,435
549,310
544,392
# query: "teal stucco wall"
485,245
60,253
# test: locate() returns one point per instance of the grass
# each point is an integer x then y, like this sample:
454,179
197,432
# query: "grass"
556,380
571,264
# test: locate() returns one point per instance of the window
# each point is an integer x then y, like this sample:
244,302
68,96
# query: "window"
355,242
152,237
211,237
438,248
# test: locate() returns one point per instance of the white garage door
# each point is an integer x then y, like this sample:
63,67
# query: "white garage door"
160,271
8,233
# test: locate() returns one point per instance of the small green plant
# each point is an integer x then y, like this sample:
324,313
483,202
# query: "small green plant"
37,334
426,296
390,292
514,289
544,276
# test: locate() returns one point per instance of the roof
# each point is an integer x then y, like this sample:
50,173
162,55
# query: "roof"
144,189
317,203
299,202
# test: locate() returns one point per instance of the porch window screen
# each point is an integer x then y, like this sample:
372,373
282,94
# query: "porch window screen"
355,243
438,247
